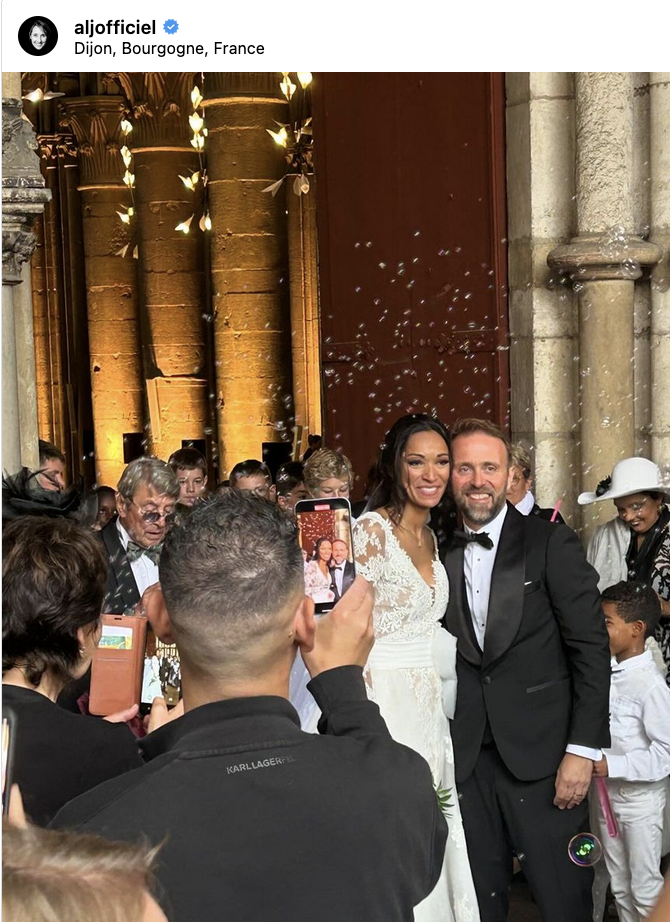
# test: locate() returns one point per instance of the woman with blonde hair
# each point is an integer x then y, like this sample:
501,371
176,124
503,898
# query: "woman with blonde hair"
328,474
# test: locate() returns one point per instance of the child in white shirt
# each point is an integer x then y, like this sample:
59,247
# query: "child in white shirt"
638,763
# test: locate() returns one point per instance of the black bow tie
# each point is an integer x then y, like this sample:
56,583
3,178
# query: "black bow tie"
479,537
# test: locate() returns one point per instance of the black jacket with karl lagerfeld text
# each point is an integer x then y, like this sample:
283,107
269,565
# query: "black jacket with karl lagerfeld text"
259,820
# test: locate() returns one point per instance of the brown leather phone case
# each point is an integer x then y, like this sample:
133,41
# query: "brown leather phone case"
116,671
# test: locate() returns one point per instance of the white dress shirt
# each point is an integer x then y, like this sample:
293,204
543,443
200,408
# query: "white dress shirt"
639,721
478,564
144,570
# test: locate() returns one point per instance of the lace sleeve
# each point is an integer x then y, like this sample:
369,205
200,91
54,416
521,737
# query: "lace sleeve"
370,549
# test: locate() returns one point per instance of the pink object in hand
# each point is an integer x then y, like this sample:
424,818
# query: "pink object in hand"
559,502
606,807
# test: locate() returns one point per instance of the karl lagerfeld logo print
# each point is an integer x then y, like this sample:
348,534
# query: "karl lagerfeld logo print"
258,763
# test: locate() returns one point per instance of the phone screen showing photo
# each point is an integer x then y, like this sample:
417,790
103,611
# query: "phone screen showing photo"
161,676
324,528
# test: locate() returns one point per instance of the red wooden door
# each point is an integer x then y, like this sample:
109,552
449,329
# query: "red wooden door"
412,252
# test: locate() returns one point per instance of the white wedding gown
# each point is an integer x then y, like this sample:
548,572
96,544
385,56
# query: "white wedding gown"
411,675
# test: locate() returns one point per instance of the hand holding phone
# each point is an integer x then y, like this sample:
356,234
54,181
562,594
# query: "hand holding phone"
161,676
116,670
324,529
344,636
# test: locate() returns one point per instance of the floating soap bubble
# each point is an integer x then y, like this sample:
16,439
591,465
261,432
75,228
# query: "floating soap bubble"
585,850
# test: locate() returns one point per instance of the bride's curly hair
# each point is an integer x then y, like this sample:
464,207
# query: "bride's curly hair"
387,487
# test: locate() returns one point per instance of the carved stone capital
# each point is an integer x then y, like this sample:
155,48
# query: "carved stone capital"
23,190
598,258
55,147
95,121
160,105
18,143
18,243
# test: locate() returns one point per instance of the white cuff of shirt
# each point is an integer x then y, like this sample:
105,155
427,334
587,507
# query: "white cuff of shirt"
594,754
616,766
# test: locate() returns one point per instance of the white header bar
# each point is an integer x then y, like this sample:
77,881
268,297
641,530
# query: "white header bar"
415,35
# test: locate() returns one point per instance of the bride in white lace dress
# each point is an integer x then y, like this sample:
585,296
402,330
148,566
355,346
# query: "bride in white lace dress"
411,673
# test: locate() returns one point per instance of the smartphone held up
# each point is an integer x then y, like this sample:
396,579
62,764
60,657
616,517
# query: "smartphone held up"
131,665
324,529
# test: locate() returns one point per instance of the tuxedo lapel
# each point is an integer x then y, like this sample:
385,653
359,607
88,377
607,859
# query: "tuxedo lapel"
458,620
507,588
126,594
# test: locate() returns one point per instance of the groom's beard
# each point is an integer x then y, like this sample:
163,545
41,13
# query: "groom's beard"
475,514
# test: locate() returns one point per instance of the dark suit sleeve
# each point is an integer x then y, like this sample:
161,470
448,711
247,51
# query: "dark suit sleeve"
572,584
346,711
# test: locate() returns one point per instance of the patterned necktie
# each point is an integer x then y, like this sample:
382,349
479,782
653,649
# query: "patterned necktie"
478,537
134,551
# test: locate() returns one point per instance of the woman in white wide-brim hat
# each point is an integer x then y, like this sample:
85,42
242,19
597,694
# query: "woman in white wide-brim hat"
637,490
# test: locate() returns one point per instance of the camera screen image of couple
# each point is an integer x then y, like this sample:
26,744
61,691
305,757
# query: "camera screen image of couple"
325,539
161,676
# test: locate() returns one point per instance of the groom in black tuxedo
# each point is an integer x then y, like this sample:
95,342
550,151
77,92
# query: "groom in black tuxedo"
533,685
341,570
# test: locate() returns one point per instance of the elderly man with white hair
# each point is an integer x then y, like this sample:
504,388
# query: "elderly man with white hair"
145,501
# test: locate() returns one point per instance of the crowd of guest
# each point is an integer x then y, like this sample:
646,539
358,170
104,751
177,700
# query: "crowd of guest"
449,540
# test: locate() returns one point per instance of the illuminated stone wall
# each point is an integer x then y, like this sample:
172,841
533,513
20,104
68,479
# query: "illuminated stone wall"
249,264
170,264
111,283
583,286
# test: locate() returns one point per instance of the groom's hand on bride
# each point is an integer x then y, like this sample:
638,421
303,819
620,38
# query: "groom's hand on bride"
345,635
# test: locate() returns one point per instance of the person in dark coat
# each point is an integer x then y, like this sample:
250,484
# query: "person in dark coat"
53,575
146,498
342,570
533,685
256,818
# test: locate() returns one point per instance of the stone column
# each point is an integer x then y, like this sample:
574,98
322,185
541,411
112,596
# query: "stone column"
641,188
543,321
52,293
41,335
170,263
660,282
23,198
249,263
304,290
111,282
604,261
25,370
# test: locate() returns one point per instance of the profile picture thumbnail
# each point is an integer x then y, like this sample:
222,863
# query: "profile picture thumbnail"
38,35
